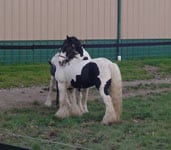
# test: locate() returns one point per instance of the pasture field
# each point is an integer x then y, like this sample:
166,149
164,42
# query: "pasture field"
146,118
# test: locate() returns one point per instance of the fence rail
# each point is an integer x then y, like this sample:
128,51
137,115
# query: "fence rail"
31,47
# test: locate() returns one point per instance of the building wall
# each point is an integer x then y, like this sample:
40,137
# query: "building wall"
146,19
54,19
87,19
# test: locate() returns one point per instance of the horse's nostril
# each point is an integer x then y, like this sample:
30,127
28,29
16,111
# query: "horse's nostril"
60,62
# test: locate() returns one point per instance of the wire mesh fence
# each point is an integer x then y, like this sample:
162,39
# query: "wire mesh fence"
42,51
147,48
106,25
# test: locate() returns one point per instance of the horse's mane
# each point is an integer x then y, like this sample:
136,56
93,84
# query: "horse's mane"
72,43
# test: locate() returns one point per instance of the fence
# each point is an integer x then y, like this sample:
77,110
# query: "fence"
32,31
42,51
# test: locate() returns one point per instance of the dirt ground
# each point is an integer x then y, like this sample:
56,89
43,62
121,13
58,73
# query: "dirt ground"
27,97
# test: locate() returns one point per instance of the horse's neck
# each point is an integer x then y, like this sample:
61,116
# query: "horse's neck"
77,63
86,54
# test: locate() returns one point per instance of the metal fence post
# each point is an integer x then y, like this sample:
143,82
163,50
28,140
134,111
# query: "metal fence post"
33,50
119,29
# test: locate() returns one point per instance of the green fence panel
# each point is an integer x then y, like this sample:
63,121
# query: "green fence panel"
109,53
145,51
43,55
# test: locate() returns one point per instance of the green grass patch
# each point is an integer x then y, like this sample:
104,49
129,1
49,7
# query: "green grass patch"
145,125
24,75
134,69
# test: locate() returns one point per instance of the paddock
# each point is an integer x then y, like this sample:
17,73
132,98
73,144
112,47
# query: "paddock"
26,122
136,32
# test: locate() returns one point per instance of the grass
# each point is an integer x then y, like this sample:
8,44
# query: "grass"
146,121
134,69
24,75
145,125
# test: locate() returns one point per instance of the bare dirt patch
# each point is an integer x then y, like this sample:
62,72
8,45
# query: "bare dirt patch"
140,88
154,71
21,97
27,97
151,69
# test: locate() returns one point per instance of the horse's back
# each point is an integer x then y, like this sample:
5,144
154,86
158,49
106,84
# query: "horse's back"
88,73
103,66
102,61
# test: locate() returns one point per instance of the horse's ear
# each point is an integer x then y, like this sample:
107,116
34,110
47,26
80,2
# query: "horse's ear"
82,41
67,37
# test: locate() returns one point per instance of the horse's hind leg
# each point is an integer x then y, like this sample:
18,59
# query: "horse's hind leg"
110,115
48,102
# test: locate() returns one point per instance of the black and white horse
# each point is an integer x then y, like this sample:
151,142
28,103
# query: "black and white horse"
74,73
77,99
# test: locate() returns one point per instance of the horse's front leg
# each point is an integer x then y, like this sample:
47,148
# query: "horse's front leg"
84,100
63,111
49,99
74,108
57,94
79,97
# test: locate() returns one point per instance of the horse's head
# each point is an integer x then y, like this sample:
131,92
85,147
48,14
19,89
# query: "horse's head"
71,48
72,44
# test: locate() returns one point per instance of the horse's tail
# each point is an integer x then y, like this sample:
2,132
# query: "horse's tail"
116,90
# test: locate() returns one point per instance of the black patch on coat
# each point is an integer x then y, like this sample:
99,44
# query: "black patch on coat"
88,77
106,88
85,58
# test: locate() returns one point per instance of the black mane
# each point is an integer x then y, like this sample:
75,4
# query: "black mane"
71,47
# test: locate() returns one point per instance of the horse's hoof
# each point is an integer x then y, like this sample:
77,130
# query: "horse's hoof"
48,104
106,123
108,120
85,111
76,112
62,113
